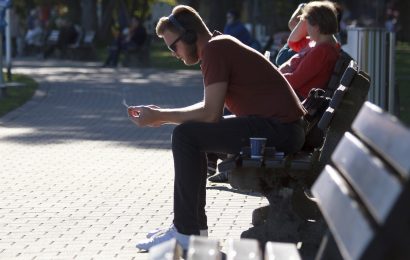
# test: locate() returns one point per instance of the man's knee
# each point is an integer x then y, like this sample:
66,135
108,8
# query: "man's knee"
181,133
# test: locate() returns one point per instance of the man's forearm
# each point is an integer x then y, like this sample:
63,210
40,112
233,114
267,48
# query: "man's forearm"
196,112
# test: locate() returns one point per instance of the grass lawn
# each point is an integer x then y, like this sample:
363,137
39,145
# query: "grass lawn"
17,96
403,80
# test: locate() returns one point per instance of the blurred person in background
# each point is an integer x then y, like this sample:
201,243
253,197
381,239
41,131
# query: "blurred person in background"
237,29
130,38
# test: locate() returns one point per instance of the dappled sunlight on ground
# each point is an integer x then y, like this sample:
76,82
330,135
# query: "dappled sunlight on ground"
85,103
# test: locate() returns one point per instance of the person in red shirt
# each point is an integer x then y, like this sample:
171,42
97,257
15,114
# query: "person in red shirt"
316,46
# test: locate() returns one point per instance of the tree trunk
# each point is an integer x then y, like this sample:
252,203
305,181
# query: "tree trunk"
404,21
104,32
89,15
145,9
73,9
218,10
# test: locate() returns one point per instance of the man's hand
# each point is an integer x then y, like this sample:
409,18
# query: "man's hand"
144,115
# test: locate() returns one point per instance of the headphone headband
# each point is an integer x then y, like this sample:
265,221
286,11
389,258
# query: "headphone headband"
188,36
175,22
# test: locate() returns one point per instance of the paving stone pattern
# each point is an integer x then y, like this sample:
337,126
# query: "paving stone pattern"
79,181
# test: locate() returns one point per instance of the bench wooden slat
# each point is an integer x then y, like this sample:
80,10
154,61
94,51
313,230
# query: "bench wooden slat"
53,37
89,37
203,248
338,96
167,250
243,249
346,221
345,114
341,64
393,147
378,190
349,74
278,250
326,118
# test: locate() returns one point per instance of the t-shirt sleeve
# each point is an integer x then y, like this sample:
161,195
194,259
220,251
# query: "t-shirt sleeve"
299,45
215,66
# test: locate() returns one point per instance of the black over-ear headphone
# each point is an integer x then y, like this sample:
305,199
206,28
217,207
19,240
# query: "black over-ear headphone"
188,36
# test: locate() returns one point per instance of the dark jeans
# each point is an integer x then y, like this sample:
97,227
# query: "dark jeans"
192,140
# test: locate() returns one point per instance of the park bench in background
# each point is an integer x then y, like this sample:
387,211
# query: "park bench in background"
50,43
283,179
363,194
6,85
84,49
77,42
52,38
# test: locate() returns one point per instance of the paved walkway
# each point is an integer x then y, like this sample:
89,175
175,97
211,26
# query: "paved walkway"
79,181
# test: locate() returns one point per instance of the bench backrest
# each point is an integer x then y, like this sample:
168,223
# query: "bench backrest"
318,100
338,95
341,65
88,38
346,103
53,37
364,195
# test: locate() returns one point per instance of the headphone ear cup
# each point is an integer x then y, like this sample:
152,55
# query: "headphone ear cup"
189,37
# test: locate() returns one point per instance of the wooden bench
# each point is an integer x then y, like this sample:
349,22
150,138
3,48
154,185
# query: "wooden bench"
209,249
343,107
50,43
315,135
283,179
364,193
84,49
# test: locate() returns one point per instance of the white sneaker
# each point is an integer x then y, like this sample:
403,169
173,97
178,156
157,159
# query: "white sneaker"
159,231
169,234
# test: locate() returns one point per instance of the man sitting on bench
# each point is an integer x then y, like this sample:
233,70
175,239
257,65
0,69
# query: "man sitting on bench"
235,76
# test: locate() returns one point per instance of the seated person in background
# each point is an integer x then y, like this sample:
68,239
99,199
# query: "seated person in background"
137,34
317,48
67,35
131,38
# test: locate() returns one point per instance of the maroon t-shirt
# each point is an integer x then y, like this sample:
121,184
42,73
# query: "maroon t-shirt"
255,86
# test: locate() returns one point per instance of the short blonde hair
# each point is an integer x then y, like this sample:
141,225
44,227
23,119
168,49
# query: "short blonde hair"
323,14
187,17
